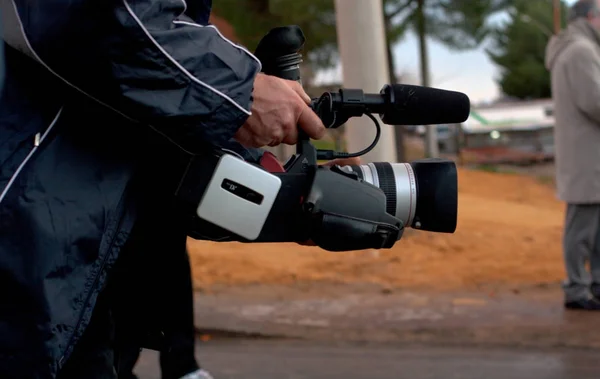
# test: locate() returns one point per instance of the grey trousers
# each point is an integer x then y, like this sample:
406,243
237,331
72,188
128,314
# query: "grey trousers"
581,244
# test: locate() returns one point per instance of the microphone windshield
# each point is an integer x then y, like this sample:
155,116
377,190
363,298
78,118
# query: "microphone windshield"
415,105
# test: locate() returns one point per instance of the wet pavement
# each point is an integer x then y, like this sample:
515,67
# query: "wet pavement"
532,318
283,359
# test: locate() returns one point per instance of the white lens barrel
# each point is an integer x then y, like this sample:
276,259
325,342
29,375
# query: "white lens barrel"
403,186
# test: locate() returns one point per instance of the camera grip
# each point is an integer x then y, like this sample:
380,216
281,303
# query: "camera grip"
342,233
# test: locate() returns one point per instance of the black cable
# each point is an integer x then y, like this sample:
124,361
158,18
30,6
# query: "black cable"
330,154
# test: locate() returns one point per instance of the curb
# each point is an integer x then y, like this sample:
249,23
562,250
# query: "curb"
534,319
236,334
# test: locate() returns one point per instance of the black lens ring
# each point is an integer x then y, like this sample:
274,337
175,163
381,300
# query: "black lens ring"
387,183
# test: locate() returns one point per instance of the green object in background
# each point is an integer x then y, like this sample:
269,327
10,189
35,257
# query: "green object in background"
323,144
479,118
505,122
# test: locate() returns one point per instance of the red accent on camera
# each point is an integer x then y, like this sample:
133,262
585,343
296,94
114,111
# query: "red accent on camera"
271,163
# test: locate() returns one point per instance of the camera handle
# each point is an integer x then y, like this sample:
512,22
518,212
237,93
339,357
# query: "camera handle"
279,54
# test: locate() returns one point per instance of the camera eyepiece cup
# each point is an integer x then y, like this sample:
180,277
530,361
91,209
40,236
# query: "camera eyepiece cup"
423,194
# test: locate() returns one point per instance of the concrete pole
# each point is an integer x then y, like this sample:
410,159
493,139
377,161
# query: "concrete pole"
431,136
361,42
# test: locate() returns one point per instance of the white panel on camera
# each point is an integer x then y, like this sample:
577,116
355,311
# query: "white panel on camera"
239,197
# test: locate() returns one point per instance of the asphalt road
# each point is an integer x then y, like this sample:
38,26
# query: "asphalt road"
236,359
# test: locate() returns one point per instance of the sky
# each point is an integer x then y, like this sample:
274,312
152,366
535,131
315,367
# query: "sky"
470,72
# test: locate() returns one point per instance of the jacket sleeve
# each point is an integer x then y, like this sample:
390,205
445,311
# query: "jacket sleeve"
141,58
583,72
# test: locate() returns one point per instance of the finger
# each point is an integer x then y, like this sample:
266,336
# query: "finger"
348,161
311,124
244,137
249,139
276,137
292,137
297,87
343,162
307,243
258,141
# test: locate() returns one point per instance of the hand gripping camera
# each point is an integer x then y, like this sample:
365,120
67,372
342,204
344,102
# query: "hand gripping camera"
338,208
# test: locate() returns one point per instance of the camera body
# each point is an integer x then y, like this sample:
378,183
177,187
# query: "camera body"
241,201
337,208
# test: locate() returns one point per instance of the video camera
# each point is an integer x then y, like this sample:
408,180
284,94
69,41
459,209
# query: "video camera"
338,208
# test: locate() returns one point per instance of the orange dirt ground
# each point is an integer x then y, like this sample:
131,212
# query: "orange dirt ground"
508,235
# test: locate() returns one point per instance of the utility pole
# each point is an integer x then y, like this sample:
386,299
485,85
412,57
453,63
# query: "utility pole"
557,21
431,136
362,46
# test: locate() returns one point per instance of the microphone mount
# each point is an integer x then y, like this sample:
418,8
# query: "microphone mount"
335,108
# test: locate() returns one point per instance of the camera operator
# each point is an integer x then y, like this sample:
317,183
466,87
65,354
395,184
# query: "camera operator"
103,104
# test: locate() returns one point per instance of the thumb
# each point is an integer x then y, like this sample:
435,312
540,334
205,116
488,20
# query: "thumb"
311,123
297,87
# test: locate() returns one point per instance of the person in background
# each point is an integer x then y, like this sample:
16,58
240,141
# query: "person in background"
573,58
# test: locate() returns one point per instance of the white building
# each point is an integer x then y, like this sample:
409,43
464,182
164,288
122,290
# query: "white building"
510,116
510,131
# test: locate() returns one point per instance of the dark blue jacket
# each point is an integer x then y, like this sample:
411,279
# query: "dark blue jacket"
102,102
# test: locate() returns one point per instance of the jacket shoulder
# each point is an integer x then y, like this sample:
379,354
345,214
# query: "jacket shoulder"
582,48
578,51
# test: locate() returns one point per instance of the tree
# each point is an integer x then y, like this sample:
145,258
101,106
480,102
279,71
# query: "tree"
519,47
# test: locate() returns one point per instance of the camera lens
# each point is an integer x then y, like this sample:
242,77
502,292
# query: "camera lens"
422,194
398,183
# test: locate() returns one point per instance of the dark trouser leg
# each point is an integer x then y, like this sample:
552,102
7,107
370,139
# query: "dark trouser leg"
129,302
582,229
93,356
595,260
154,295
127,356
178,317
